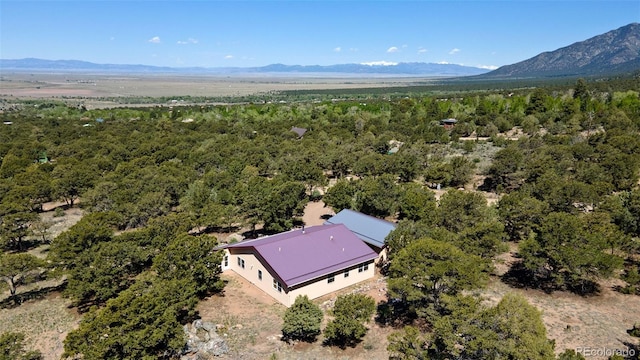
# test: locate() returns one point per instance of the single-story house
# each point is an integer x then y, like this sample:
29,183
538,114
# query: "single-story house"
448,123
314,261
369,229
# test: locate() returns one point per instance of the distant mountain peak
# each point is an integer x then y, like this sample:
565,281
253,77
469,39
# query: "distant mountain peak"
367,69
616,51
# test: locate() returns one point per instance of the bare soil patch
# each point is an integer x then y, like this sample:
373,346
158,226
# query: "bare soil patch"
46,319
251,322
316,213
91,87
45,324
573,321
61,223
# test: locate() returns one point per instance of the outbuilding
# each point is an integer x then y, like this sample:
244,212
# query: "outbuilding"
369,229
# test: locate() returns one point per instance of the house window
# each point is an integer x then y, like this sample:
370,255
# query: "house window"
331,279
226,260
346,273
363,267
277,285
241,263
260,275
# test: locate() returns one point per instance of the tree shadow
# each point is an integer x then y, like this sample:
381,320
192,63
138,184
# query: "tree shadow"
632,352
342,343
394,313
221,229
627,290
25,245
254,234
35,294
292,340
520,277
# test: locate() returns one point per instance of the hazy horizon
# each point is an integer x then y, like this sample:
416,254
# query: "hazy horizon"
485,34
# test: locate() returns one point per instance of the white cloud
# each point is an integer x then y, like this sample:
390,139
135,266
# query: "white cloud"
392,49
443,62
155,40
488,67
228,57
379,63
354,49
188,41
454,51
422,50
337,49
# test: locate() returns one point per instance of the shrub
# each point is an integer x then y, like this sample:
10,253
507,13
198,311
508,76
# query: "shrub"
302,320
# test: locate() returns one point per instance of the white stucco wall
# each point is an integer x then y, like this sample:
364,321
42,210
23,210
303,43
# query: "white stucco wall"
312,289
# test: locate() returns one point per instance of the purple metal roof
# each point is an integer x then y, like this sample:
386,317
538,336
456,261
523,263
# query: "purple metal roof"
297,257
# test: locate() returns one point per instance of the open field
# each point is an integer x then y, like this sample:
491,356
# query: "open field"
91,87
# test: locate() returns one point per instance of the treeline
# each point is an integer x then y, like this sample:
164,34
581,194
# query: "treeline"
164,174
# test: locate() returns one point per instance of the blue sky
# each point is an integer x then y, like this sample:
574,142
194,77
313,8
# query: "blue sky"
256,33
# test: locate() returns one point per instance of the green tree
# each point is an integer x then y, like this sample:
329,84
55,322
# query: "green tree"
350,313
513,329
302,320
461,209
377,196
71,178
408,344
426,269
461,171
404,234
484,239
581,93
569,252
143,322
90,230
505,171
521,214
341,195
417,203
15,225
12,348
193,258
105,269
14,267
198,201
36,185
624,209
537,101
286,200
518,331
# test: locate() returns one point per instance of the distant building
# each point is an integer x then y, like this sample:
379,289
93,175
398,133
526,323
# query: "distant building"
299,131
43,158
314,262
448,123
394,146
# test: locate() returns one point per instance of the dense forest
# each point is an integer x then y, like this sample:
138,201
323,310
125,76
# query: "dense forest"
154,182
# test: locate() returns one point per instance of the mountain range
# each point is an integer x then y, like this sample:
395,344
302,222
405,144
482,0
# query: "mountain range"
617,51
399,69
